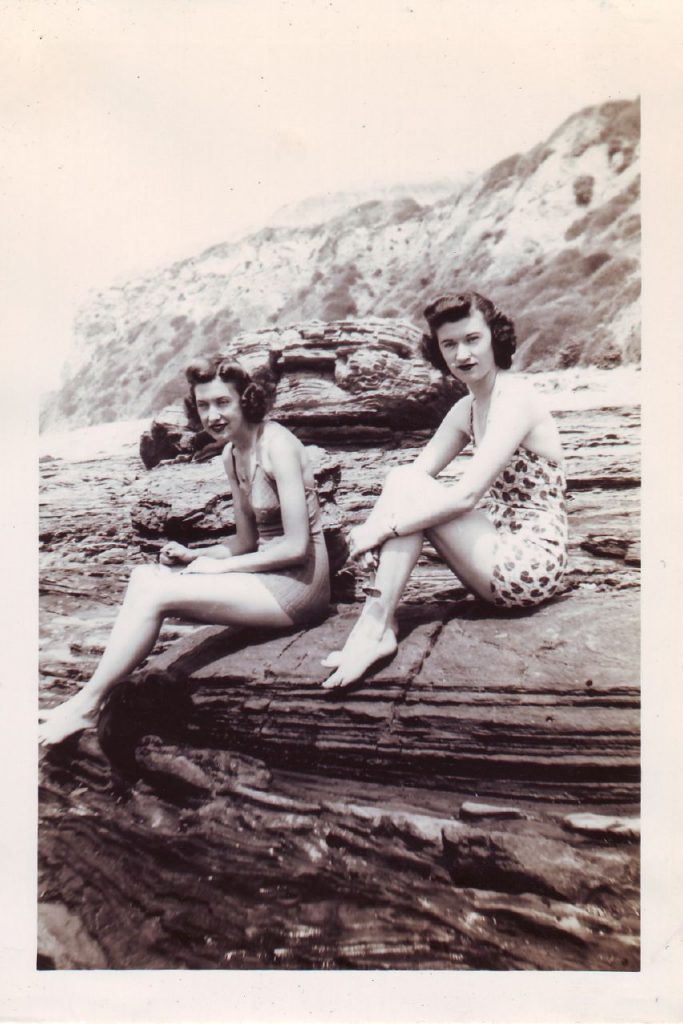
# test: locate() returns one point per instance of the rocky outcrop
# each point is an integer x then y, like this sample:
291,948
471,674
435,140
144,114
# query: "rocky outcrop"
544,706
553,235
215,861
473,804
363,380
170,436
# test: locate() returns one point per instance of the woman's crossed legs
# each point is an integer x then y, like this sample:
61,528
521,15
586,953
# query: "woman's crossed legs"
467,544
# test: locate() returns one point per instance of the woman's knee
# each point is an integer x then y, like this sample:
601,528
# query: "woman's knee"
145,583
400,478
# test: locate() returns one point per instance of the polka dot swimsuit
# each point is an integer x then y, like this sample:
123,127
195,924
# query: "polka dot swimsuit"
526,504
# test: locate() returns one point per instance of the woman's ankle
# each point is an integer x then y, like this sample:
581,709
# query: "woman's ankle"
375,616
84,704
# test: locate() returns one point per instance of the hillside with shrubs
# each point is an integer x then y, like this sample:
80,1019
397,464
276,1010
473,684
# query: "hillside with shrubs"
552,235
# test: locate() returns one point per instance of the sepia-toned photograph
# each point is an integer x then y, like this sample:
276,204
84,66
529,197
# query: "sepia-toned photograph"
339,560
339,574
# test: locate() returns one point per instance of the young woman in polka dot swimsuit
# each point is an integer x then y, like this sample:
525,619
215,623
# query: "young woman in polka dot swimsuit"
502,527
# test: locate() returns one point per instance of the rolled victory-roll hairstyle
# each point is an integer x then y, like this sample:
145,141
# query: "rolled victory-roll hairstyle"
256,390
451,308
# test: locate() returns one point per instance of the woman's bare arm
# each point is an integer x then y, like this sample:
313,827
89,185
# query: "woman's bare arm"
244,539
283,454
512,415
448,441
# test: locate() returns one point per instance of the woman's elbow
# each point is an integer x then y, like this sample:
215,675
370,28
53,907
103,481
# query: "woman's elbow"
295,552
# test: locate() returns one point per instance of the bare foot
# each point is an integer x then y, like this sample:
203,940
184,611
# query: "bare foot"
67,719
361,630
358,655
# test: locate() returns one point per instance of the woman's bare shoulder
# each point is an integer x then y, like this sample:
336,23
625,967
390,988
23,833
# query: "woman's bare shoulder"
275,435
520,389
278,445
523,401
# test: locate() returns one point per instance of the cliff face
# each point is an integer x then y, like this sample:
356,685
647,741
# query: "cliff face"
553,235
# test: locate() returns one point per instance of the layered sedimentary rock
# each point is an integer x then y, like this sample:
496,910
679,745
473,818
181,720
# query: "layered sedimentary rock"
357,381
472,805
215,861
541,706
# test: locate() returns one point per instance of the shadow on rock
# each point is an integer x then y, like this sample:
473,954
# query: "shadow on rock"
151,704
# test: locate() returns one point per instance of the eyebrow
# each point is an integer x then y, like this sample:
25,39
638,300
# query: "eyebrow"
470,334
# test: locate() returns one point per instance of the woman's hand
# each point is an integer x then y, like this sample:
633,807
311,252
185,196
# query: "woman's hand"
363,540
206,565
175,554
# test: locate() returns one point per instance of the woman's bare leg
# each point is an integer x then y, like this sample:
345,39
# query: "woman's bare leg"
374,634
154,593
394,492
467,544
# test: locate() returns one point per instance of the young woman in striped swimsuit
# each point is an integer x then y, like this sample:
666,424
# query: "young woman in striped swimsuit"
273,572
502,527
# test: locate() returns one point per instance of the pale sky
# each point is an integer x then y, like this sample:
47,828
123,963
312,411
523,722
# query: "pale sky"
141,132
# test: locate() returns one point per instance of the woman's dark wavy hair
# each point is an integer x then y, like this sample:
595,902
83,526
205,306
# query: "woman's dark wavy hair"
256,390
451,308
